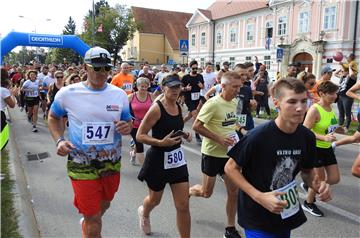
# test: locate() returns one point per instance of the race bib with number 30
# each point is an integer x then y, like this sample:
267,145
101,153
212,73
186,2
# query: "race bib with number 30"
292,197
174,159
98,133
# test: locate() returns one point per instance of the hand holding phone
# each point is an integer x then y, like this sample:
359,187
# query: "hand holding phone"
179,133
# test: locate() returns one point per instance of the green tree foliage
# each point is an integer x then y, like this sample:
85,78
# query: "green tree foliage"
114,26
58,55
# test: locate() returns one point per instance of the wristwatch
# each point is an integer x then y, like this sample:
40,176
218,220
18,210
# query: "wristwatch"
61,138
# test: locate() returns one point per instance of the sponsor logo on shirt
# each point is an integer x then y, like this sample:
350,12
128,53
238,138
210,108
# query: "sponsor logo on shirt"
112,108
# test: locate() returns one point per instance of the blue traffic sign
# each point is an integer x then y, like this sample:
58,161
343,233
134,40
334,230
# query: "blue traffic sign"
184,46
279,53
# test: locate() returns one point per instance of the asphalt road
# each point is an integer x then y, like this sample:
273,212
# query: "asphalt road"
44,195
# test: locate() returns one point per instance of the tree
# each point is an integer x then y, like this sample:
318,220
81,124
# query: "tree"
114,26
61,53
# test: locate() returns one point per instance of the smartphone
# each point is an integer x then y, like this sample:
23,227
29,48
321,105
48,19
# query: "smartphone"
179,133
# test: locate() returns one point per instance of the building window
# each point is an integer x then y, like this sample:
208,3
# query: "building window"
329,18
267,61
303,22
218,38
193,39
269,29
250,32
232,61
233,35
247,58
202,62
282,26
203,38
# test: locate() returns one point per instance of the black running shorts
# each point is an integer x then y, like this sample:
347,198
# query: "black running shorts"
212,166
324,157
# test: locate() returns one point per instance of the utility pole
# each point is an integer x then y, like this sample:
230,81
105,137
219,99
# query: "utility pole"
93,23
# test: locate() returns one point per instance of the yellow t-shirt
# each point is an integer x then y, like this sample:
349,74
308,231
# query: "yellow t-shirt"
219,117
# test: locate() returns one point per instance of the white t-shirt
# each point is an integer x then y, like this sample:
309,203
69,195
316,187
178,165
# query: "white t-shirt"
48,80
91,114
160,76
34,86
209,82
5,93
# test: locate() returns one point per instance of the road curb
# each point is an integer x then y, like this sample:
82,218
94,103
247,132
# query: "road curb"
28,225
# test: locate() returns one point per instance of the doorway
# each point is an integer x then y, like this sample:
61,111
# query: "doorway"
306,61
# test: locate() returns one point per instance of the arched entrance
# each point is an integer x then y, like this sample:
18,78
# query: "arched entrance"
306,61
14,39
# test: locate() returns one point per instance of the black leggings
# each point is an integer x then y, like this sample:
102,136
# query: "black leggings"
344,105
139,147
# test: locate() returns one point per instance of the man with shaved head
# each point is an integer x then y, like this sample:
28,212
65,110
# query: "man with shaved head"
124,79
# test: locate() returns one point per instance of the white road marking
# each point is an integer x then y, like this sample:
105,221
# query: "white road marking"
327,206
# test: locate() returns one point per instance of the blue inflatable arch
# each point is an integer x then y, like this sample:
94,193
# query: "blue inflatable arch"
13,39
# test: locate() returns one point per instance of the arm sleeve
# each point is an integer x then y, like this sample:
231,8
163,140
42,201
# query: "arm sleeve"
310,157
125,113
242,151
206,112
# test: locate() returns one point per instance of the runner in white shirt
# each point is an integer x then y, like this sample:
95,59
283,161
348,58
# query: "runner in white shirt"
97,122
31,90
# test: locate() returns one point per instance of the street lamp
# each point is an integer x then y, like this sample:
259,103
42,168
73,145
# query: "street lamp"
33,21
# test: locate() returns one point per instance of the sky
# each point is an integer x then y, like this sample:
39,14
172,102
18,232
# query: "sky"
50,16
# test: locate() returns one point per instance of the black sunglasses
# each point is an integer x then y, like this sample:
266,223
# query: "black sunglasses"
103,68
194,68
59,77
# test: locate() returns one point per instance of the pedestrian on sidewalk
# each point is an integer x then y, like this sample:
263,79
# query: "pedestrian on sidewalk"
97,122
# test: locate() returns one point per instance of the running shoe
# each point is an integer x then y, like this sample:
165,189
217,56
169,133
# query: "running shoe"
312,209
82,224
304,187
143,221
34,129
231,232
132,157
21,109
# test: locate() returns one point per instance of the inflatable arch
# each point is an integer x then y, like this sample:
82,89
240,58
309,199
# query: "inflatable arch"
13,39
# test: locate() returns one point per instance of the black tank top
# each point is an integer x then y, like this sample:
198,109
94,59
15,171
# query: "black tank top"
166,124
53,93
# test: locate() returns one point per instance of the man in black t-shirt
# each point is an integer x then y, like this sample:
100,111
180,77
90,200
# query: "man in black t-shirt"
192,84
246,100
265,162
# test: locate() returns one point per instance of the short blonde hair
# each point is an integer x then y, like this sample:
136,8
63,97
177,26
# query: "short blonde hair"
142,80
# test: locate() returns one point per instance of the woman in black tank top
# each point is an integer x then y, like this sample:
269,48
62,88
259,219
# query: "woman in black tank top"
165,161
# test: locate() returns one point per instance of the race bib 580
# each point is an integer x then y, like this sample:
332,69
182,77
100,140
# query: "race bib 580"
174,159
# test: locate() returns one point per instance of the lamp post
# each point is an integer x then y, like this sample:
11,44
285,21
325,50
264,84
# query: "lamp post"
33,21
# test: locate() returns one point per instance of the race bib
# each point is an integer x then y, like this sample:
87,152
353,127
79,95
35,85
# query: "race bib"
195,96
174,159
292,197
242,120
128,87
98,133
332,128
33,93
235,137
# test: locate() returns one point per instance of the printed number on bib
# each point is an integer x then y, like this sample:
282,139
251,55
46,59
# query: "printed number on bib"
98,133
332,128
195,96
242,120
235,137
128,87
174,159
291,196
